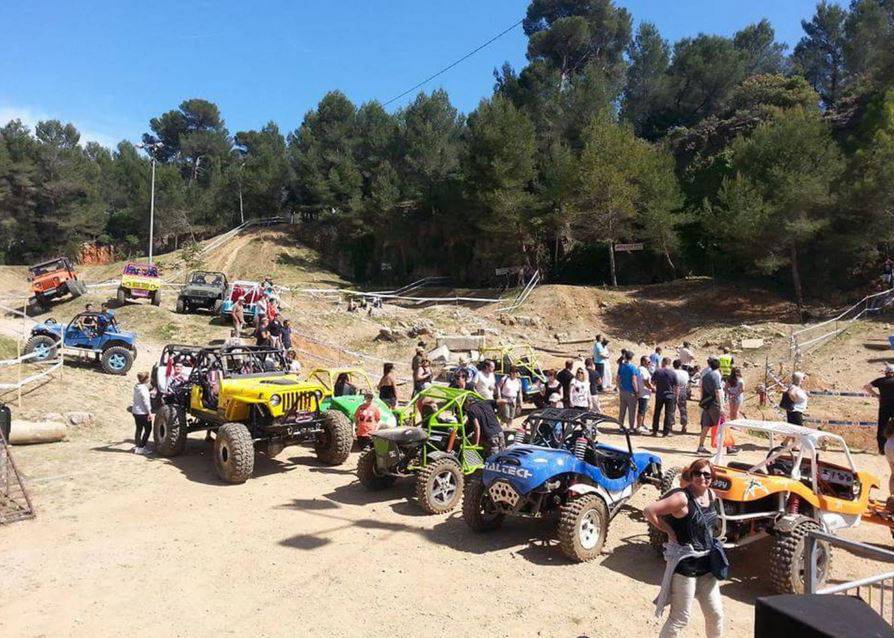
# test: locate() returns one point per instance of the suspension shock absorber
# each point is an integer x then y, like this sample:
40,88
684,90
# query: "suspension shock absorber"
793,505
580,447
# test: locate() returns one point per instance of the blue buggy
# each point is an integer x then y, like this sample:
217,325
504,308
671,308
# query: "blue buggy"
93,332
564,470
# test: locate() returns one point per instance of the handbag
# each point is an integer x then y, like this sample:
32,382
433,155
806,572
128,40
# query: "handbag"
785,402
719,561
716,554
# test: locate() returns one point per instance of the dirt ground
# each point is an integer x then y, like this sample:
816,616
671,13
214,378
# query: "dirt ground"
130,545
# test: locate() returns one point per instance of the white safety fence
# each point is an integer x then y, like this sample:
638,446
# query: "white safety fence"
51,365
806,339
877,591
524,294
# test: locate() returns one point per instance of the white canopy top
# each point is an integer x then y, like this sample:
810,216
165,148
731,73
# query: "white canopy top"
784,429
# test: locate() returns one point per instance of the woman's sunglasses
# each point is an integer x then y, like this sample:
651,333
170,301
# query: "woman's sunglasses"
705,475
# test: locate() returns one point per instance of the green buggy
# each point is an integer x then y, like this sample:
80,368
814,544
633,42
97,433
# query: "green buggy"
436,449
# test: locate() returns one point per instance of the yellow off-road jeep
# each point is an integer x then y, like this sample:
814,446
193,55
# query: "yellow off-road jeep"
139,281
784,492
247,397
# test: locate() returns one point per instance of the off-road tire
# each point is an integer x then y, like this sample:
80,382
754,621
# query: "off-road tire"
787,558
155,296
169,431
77,288
121,296
234,453
474,497
38,341
218,303
368,474
583,510
116,351
34,307
181,305
334,446
429,478
657,538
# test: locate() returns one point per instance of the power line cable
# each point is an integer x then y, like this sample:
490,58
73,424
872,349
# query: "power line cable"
450,66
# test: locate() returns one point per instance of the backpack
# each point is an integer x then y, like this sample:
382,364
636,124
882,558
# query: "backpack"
786,402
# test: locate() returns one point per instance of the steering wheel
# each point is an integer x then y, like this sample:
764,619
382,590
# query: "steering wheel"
774,450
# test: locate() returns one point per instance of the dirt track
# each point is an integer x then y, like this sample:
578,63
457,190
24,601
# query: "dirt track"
147,546
127,545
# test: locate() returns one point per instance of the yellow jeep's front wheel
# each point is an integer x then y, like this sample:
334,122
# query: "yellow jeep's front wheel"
333,445
234,453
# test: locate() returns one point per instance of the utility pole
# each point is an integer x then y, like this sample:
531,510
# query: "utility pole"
241,213
151,149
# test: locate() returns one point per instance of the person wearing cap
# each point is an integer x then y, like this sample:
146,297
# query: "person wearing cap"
367,418
711,402
471,371
798,397
883,389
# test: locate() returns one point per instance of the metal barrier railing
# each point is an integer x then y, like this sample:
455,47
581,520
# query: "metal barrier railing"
807,339
877,591
524,294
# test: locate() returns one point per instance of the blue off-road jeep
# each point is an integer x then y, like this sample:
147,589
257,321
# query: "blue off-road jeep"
94,332
564,469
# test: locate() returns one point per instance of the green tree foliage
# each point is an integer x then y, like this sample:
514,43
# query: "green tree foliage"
779,201
260,173
819,55
499,170
761,53
647,81
626,190
721,154
572,34
194,135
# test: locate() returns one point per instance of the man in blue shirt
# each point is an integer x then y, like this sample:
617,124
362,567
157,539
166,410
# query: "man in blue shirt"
627,384
655,360
106,318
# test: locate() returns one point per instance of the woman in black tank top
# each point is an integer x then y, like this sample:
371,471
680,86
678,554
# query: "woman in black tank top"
388,386
688,516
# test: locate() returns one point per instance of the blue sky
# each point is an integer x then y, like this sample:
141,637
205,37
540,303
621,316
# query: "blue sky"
108,66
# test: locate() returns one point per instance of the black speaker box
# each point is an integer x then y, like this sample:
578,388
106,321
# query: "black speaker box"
818,616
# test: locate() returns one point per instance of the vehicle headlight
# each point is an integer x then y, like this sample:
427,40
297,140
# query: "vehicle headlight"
275,400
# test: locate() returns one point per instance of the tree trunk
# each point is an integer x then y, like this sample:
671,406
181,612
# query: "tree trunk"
670,263
611,261
796,282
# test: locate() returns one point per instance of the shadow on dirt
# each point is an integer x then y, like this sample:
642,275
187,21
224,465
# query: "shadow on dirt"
196,463
534,540
749,567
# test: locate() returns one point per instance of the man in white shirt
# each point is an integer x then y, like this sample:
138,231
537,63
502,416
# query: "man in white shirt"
644,393
486,381
600,358
683,393
684,354
509,399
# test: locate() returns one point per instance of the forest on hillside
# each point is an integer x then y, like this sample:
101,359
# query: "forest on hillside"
728,156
